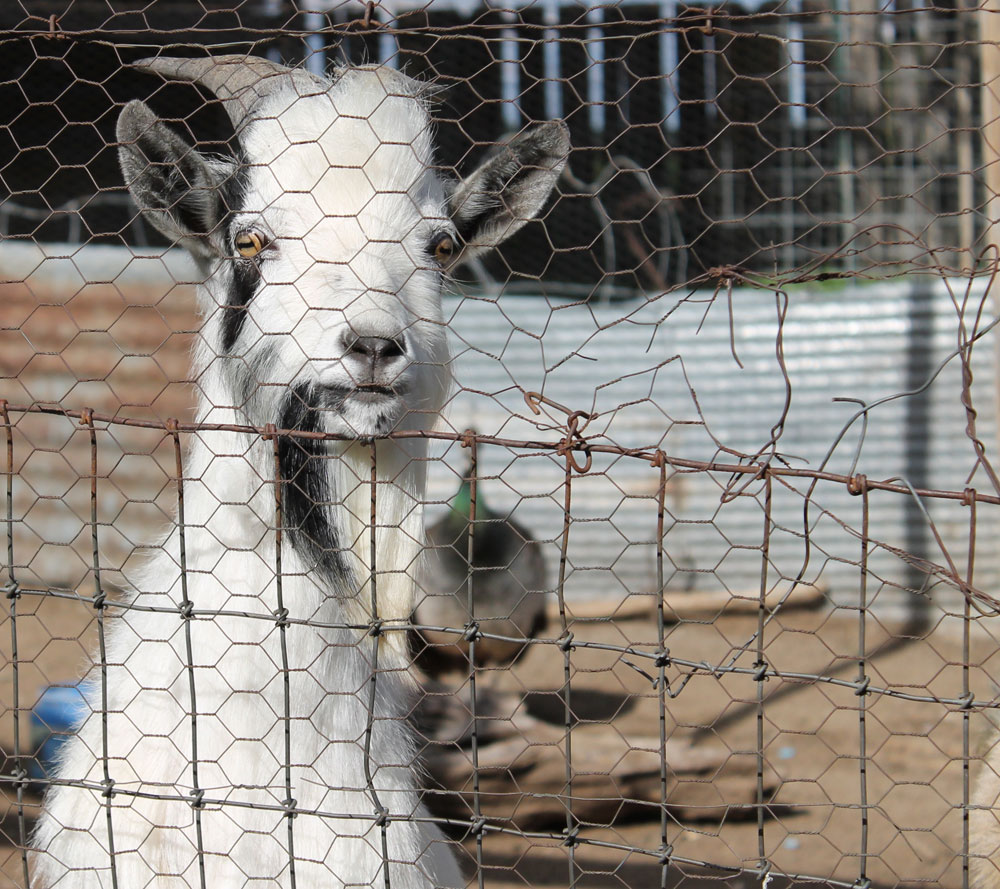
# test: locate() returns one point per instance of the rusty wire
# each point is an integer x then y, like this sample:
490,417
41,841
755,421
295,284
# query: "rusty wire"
646,237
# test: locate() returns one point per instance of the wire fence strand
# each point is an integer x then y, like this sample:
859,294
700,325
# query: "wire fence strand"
657,558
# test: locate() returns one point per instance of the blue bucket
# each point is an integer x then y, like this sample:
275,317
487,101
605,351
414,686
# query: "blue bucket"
54,720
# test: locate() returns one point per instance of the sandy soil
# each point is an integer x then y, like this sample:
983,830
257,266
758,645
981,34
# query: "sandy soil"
813,822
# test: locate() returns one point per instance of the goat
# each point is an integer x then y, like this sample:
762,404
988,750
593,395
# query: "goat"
984,812
324,245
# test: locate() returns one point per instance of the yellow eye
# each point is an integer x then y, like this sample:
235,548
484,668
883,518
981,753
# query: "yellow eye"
250,243
443,247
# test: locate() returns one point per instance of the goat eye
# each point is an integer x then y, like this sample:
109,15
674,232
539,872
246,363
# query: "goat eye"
443,248
249,243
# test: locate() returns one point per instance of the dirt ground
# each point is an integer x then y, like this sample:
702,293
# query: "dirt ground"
813,823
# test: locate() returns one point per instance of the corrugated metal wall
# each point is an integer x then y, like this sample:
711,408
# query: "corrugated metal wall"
645,365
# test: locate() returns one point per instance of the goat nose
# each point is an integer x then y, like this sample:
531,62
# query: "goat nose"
377,349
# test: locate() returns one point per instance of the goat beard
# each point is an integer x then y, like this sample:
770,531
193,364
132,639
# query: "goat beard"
365,411
324,519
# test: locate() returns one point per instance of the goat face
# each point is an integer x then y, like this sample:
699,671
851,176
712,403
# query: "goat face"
327,240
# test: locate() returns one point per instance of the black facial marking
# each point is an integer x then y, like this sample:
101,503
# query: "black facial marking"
306,494
246,376
246,274
246,280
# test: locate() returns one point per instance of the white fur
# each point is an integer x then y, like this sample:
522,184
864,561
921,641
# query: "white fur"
984,814
351,216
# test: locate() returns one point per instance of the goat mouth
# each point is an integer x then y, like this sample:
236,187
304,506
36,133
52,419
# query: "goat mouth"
364,409
372,394
337,397
375,389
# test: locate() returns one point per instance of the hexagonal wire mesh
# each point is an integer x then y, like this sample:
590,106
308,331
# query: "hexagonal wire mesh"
649,636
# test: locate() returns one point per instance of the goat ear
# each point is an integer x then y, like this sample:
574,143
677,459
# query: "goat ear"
509,188
176,188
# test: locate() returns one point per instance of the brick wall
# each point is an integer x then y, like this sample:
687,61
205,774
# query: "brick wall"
105,329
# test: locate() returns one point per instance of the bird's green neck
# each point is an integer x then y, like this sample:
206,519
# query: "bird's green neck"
461,504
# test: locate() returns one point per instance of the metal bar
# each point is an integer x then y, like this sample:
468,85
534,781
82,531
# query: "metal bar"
20,773
186,610
760,676
967,693
375,632
797,119
596,115
99,604
669,60
795,43
510,75
551,61
280,618
388,45
861,691
272,9
661,678
846,171
473,635
571,834
710,75
315,47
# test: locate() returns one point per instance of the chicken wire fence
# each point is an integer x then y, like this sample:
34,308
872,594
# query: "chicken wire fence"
708,586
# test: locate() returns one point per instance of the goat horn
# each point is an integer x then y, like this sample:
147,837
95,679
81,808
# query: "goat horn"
238,81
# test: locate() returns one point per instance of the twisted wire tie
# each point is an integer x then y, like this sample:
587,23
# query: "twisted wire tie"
857,484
